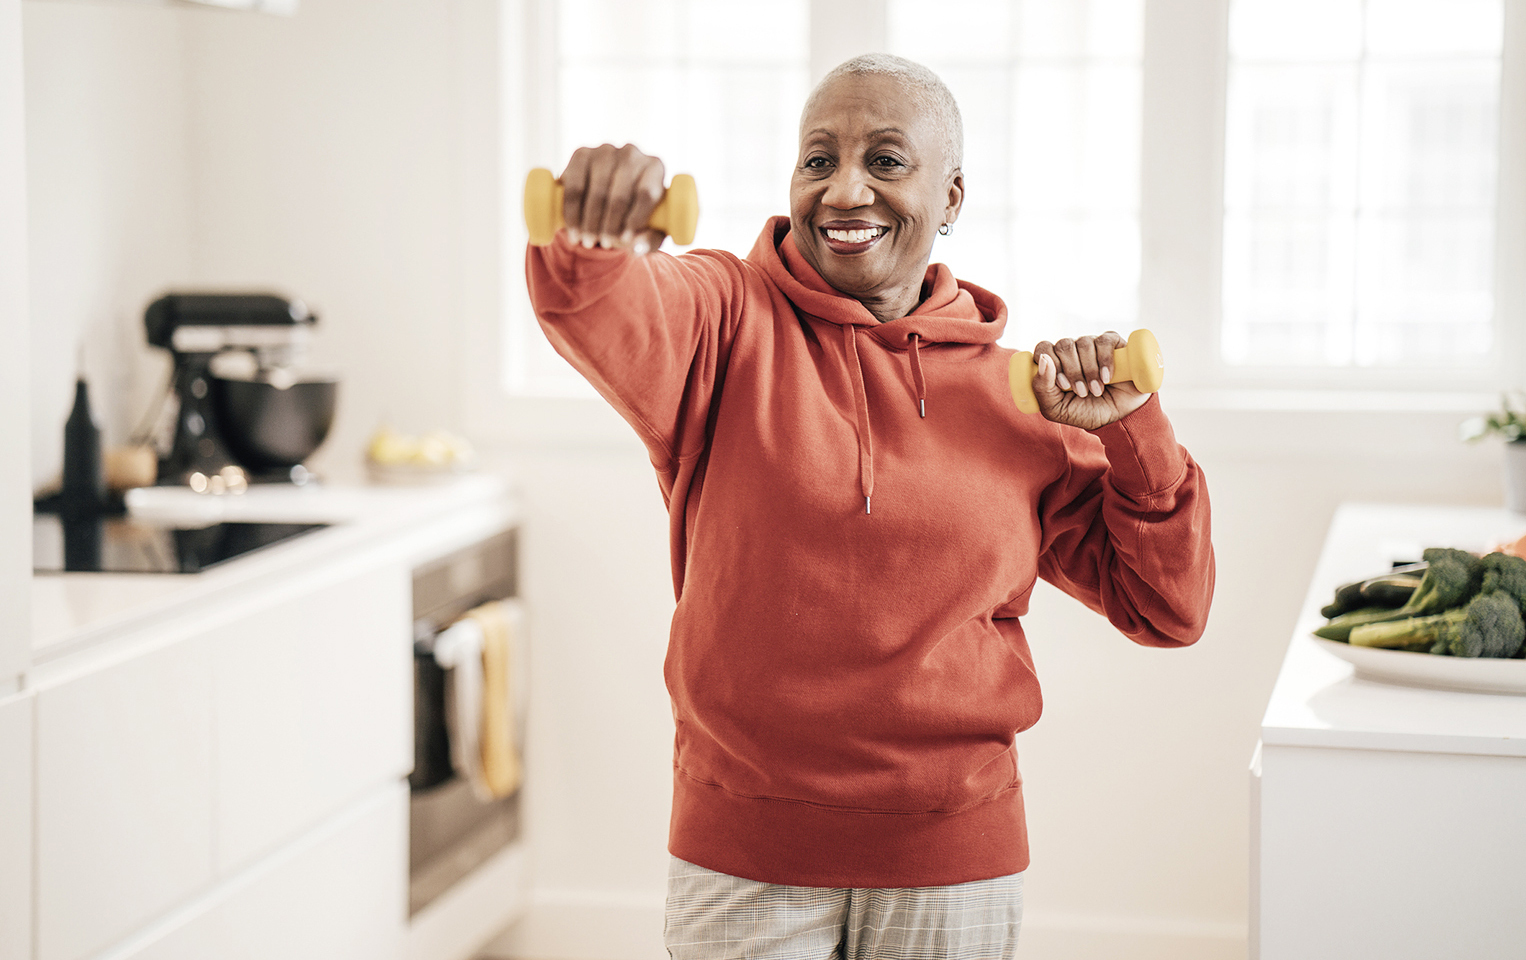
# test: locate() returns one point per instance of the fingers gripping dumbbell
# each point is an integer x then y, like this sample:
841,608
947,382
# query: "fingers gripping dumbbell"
676,213
1139,361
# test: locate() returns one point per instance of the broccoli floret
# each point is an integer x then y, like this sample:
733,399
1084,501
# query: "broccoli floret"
1489,626
1451,577
1505,574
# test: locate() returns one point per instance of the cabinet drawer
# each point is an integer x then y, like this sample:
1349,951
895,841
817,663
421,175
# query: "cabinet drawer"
124,797
312,704
338,894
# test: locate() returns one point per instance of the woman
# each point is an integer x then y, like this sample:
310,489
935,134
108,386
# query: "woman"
858,516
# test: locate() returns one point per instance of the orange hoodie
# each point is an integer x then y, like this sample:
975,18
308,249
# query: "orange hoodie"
846,662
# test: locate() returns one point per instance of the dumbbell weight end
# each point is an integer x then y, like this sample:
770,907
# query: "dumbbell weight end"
676,214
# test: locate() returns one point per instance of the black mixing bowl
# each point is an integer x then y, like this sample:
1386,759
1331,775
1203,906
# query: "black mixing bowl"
269,426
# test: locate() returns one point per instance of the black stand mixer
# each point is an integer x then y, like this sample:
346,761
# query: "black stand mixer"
247,414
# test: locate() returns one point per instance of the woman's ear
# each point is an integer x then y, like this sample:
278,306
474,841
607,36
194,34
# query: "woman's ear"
955,196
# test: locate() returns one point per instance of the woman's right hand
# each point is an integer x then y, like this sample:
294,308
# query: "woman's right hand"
608,194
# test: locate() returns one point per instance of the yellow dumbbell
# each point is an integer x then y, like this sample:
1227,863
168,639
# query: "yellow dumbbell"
676,213
1138,361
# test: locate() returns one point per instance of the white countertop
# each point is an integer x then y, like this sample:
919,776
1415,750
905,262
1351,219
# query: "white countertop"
73,610
1319,702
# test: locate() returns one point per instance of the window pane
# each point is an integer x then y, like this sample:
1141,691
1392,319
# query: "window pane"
951,31
1423,288
1359,195
1410,28
1295,29
1050,95
1076,138
617,29
1287,289
732,32
1073,275
1431,132
1080,28
716,95
712,87
620,103
1291,140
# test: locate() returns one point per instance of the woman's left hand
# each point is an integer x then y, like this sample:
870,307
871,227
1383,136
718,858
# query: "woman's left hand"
1071,383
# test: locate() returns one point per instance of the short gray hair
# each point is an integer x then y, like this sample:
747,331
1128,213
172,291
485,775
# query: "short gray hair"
928,89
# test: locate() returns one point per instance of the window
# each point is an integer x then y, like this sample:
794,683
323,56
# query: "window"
713,87
1049,93
1299,194
1360,168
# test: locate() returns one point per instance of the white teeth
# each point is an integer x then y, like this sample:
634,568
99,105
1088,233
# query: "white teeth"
854,236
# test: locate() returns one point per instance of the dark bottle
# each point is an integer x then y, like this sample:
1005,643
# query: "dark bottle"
84,486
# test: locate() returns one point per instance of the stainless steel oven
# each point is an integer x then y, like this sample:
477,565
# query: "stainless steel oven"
451,831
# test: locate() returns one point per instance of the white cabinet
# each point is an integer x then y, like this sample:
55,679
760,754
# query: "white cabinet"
338,894
312,703
168,773
1391,854
1383,817
16,828
124,797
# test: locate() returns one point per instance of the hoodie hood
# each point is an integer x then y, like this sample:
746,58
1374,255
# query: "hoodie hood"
951,312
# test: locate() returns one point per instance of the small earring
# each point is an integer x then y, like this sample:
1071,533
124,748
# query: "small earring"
944,230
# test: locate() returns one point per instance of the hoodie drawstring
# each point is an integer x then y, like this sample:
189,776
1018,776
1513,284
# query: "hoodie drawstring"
861,405
916,378
861,409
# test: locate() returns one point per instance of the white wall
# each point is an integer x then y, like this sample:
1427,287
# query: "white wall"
310,155
110,201
323,150
15,425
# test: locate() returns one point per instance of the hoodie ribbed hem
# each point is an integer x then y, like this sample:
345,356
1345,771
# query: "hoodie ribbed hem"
809,845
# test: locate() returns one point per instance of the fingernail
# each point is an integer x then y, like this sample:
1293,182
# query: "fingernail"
606,243
588,242
572,236
1096,389
625,238
1064,382
640,247
1080,388
1107,374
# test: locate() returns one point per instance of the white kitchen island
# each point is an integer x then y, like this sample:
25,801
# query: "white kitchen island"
1387,821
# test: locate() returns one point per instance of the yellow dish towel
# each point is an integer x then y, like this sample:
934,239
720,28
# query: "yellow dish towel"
501,767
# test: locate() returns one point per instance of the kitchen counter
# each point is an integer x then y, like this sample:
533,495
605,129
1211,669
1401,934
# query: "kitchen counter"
74,611
1380,813
1318,702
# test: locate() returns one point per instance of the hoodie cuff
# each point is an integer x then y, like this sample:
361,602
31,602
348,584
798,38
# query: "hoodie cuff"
576,266
1142,451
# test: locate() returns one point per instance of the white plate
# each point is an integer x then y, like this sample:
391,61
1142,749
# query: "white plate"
1483,675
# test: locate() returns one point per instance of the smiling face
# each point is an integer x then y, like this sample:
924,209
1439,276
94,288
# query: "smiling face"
870,190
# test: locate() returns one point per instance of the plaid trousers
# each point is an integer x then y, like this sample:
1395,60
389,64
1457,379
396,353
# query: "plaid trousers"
714,916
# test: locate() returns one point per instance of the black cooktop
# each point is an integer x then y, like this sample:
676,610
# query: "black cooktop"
128,545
